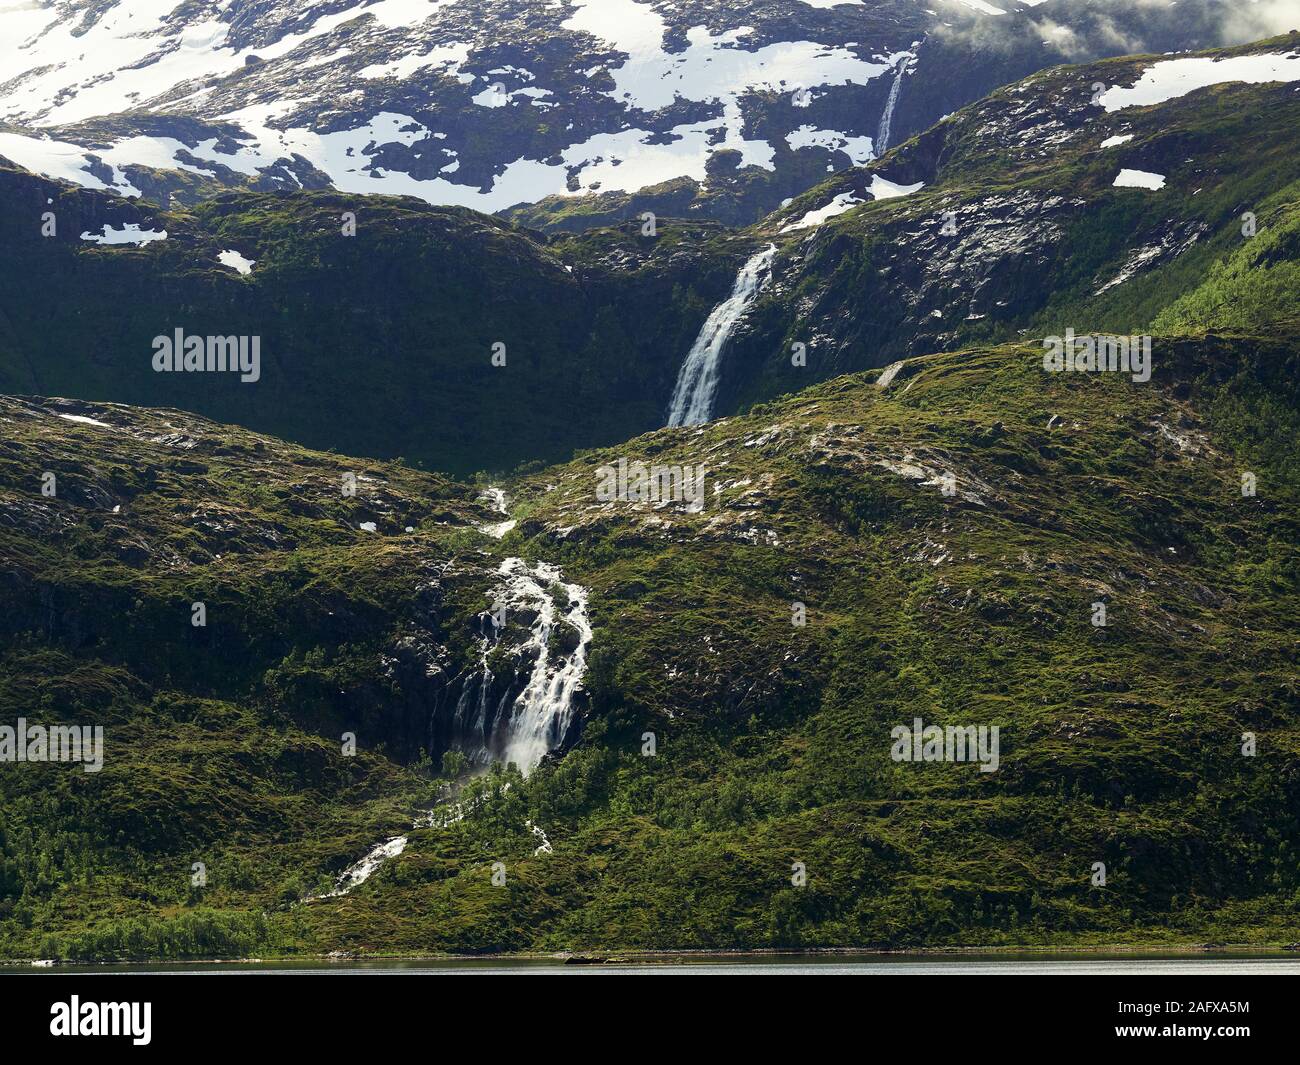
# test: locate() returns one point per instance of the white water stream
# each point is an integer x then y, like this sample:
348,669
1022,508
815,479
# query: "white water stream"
360,872
536,721
697,381
887,119
542,713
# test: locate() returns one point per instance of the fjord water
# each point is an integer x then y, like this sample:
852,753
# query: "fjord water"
1036,964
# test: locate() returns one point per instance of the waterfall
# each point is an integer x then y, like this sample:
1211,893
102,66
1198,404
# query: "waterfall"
526,704
359,873
496,497
543,712
697,381
496,718
887,119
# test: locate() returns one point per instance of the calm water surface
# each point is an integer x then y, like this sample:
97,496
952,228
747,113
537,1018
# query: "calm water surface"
835,965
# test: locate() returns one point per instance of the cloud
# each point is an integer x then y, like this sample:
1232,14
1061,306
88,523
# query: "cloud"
1267,18
1079,30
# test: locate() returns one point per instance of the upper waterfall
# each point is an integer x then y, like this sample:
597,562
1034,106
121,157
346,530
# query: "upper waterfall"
697,381
887,119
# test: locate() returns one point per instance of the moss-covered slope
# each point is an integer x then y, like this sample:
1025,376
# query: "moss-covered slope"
1119,744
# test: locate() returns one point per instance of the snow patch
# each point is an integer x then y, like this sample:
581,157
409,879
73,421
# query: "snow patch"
448,58
236,261
887,375
131,233
884,189
62,161
1139,179
845,201
82,419
1177,77
860,150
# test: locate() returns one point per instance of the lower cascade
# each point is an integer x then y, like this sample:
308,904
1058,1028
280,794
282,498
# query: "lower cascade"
358,873
697,381
523,702
523,711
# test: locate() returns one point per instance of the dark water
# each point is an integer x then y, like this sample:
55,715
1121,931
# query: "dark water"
756,965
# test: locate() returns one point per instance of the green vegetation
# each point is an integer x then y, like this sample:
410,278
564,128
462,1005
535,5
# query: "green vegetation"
380,344
1118,745
1254,286
227,744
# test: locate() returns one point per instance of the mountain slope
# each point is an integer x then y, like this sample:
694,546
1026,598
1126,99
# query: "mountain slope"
963,59
773,740
383,343
459,102
1011,218
581,104
273,641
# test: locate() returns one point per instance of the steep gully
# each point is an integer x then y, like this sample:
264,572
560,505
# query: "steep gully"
497,718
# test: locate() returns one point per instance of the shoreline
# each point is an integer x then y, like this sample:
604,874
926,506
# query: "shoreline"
597,957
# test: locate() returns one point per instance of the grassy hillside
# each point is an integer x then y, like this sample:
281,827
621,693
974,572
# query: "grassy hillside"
1119,745
937,539
223,742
